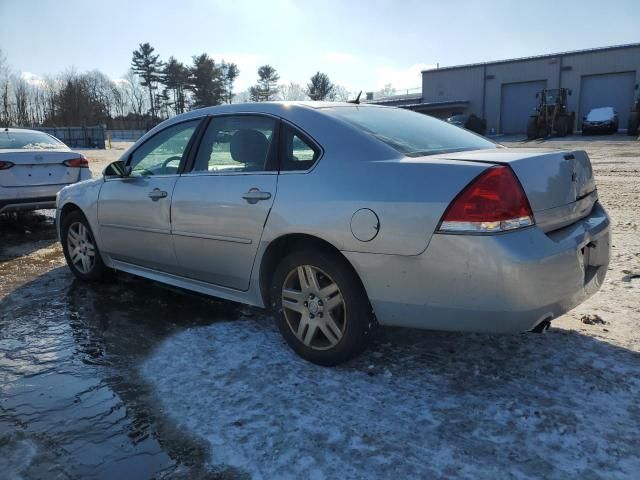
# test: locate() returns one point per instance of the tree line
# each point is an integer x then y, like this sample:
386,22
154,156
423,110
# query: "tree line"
151,91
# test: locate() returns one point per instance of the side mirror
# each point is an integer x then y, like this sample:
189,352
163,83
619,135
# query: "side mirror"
117,169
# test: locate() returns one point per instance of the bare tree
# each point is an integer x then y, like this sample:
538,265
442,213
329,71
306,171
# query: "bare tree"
21,99
340,94
292,91
386,91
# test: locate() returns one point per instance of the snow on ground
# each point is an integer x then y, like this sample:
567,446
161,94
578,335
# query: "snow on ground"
417,405
430,405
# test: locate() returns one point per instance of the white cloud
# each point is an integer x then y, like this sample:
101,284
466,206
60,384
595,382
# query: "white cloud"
32,78
401,79
120,82
339,57
248,64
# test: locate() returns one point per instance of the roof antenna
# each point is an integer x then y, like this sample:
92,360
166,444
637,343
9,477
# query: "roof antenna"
357,100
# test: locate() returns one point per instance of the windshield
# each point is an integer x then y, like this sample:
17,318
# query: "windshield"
28,141
600,114
412,134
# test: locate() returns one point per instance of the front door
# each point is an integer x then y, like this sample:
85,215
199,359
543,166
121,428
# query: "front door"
134,212
220,207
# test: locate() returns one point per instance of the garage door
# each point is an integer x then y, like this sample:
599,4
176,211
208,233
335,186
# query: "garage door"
518,101
610,90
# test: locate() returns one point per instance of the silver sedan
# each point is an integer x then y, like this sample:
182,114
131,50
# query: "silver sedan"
341,217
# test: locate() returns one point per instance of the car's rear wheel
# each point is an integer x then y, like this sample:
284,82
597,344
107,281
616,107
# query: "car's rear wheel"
562,126
634,123
80,247
532,128
323,311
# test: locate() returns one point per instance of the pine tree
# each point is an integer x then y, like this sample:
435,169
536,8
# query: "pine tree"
320,87
206,82
148,67
267,86
230,72
175,77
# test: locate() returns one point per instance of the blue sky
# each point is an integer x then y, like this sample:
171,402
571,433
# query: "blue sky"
360,44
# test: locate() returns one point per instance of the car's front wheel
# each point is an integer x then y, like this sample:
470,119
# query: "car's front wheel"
80,247
323,311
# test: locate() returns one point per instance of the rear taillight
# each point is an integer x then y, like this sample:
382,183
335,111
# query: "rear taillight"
493,202
5,165
81,162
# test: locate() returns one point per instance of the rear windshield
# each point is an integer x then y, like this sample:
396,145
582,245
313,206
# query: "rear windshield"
28,140
412,134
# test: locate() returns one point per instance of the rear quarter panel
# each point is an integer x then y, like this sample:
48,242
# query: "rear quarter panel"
409,197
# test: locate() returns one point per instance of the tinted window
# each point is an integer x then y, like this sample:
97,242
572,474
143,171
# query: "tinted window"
162,154
236,144
28,140
298,151
412,134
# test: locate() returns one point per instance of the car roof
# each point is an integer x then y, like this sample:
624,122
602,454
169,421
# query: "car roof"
19,130
278,106
284,109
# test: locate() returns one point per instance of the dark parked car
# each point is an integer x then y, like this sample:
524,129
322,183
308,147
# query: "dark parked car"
470,122
603,119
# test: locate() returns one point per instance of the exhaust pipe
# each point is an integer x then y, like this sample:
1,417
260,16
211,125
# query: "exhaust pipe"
543,326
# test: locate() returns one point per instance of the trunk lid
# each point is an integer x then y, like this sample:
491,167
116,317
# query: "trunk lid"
38,167
559,184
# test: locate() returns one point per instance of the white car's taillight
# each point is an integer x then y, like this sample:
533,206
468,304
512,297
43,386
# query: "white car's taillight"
5,165
493,202
81,162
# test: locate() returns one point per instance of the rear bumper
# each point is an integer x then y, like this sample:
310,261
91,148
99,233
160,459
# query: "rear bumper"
28,198
27,204
598,128
498,283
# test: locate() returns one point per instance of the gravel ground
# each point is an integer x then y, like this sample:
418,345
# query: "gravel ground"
132,379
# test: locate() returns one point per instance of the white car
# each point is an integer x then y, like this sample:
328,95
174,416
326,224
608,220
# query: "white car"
34,167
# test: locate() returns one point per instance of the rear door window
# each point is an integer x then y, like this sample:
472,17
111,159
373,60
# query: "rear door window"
237,144
298,153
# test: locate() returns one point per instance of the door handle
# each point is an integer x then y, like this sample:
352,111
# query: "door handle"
157,194
254,195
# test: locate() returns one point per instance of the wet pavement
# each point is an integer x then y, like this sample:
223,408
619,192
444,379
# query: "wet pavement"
110,380
72,404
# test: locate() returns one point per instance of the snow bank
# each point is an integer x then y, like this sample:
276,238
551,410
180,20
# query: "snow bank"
421,406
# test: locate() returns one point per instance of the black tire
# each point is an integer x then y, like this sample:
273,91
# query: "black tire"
532,128
97,269
357,320
572,121
562,126
634,121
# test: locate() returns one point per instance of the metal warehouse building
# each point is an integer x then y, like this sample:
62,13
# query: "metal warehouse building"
504,92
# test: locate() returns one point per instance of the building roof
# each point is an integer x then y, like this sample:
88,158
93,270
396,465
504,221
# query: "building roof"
535,57
445,103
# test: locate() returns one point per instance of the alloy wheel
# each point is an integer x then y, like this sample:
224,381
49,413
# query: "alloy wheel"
81,247
314,307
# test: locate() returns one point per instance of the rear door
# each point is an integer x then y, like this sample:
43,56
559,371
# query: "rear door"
220,207
134,213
